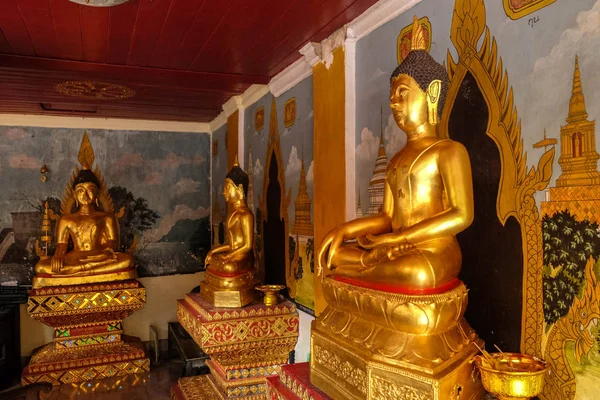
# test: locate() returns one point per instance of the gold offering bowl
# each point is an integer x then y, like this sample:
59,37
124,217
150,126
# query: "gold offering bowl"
514,376
270,292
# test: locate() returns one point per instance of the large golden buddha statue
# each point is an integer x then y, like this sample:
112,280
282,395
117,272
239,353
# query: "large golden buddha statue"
230,280
89,223
395,304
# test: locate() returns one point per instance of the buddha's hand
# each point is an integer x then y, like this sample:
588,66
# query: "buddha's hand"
329,246
389,240
57,264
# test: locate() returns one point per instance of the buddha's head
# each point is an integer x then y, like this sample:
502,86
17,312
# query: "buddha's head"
418,87
236,184
86,186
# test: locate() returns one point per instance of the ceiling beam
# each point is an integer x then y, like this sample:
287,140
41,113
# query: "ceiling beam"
137,75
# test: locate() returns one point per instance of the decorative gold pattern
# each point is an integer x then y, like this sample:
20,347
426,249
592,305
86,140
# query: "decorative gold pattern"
516,9
94,90
87,332
384,390
517,185
246,345
259,119
404,45
289,112
343,369
294,386
216,314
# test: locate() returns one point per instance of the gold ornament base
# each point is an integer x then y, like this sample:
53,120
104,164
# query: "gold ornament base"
372,344
83,364
246,345
343,374
229,291
88,335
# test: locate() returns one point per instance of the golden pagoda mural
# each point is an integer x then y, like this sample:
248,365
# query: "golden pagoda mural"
303,263
571,238
377,183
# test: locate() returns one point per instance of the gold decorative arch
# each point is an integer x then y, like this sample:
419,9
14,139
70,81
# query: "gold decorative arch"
517,184
274,150
86,159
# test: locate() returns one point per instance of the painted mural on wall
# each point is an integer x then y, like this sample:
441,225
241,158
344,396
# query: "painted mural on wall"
219,171
279,160
159,180
516,9
526,115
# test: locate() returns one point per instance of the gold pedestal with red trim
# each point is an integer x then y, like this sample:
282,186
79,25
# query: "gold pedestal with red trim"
88,343
246,345
374,344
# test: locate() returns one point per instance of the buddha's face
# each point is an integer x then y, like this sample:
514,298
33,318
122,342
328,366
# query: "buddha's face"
231,191
86,193
408,103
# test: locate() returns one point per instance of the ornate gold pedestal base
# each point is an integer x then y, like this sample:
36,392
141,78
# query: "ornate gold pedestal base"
88,343
370,344
233,291
339,371
246,345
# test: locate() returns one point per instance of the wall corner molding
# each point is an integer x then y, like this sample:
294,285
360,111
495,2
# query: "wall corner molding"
377,15
253,94
311,52
290,77
218,122
232,105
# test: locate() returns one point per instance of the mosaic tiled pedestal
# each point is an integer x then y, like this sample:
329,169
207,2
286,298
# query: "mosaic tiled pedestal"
293,383
88,334
246,345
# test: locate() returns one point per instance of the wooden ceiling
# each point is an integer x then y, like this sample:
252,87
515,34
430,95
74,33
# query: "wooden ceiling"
153,59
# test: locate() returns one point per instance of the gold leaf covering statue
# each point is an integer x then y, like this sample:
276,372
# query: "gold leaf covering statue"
89,222
230,279
394,299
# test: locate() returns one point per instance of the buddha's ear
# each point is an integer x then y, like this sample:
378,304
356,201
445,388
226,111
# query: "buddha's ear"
433,97
240,189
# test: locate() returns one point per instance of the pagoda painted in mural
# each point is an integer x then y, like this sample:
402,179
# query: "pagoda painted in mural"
302,223
377,183
250,197
578,187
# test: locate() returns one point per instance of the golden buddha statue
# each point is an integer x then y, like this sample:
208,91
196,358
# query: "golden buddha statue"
391,280
93,232
229,278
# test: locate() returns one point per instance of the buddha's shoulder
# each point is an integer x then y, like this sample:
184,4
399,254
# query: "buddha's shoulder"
448,146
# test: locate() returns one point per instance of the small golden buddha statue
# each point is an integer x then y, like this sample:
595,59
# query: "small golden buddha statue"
390,280
94,234
229,278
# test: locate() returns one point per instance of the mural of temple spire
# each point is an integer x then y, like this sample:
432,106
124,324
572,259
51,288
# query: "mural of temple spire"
302,223
250,173
578,187
377,183
359,212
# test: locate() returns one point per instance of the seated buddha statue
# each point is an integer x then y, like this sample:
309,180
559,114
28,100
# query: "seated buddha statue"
93,233
229,279
428,195
395,306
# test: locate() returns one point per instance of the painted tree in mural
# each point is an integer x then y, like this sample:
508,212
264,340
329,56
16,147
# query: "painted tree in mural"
310,253
292,244
568,245
299,270
137,217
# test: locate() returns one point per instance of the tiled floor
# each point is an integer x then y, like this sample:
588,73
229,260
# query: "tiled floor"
154,386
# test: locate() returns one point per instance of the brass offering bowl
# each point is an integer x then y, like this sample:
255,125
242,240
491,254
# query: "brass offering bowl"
512,376
270,292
